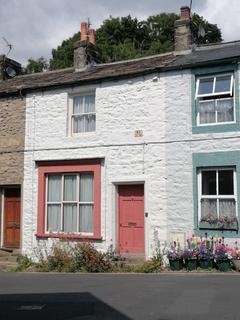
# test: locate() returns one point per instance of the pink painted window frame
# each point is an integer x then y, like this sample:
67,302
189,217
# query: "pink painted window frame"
44,168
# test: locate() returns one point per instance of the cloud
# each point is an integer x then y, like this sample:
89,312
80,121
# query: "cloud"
225,14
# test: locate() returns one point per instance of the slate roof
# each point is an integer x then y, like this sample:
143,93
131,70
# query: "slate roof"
200,56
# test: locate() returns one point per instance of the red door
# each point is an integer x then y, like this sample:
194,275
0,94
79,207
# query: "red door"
131,218
12,205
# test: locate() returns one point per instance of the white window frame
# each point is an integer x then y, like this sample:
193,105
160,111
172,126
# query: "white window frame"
217,196
72,115
212,97
77,201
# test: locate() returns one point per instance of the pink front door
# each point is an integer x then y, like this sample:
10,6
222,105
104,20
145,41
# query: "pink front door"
131,218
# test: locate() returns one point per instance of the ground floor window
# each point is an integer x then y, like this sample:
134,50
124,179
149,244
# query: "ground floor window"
69,199
70,202
217,196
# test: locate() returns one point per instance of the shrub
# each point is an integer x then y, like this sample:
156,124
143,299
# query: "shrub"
24,263
88,259
60,260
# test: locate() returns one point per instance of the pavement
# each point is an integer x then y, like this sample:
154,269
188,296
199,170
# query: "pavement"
167,296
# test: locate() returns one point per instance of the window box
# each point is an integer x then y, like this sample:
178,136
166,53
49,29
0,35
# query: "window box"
222,225
69,199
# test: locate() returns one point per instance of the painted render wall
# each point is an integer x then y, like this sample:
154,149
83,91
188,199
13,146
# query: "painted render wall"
160,105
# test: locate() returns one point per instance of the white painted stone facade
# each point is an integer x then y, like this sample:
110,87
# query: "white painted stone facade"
160,106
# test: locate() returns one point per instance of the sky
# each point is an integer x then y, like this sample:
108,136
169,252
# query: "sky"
35,27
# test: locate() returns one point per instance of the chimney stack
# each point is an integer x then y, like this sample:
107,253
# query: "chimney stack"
85,51
183,34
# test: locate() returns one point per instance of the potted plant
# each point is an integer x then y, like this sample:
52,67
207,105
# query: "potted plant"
175,258
236,257
190,258
205,257
221,258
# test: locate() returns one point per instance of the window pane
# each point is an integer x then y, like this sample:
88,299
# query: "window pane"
54,188
90,103
70,188
208,208
205,86
225,182
227,207
54,217
206,111
86,188
86,218
90,122
70,218
225,110
78,124
78,105
223,84
209,182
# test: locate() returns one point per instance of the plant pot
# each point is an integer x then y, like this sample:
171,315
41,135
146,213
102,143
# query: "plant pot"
223,265
176,264
236,264
191,264
205,263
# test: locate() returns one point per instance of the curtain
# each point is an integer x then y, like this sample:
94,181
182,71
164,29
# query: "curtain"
208,208
70,188
70,217
89,104
206,111
54,218
227,207
86,188
86,209
54,188
78,105
225,110
86,218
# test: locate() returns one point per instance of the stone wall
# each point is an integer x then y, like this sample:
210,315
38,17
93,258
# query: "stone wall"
12,132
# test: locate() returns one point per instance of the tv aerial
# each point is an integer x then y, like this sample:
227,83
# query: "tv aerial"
9,45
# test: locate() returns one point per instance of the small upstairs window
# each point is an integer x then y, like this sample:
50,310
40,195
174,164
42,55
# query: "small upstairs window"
83,116
215,99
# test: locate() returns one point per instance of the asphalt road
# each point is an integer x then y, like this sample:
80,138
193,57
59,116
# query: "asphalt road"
121,296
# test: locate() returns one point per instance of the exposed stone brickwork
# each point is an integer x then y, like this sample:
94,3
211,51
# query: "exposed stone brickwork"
12,132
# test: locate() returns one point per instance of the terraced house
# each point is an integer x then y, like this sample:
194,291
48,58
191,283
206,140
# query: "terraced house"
122,153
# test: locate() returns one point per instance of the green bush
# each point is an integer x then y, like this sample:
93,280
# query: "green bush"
88,259
24,262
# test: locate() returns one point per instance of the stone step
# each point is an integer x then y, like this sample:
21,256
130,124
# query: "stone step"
134,259
8,258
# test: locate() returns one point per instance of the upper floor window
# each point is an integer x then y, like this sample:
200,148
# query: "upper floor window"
215,99
83,116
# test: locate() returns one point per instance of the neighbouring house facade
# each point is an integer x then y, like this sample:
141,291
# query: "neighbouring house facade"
12,135
119,154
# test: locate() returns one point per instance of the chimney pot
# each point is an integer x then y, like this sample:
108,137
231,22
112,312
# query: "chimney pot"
92,36
185,13
83,31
